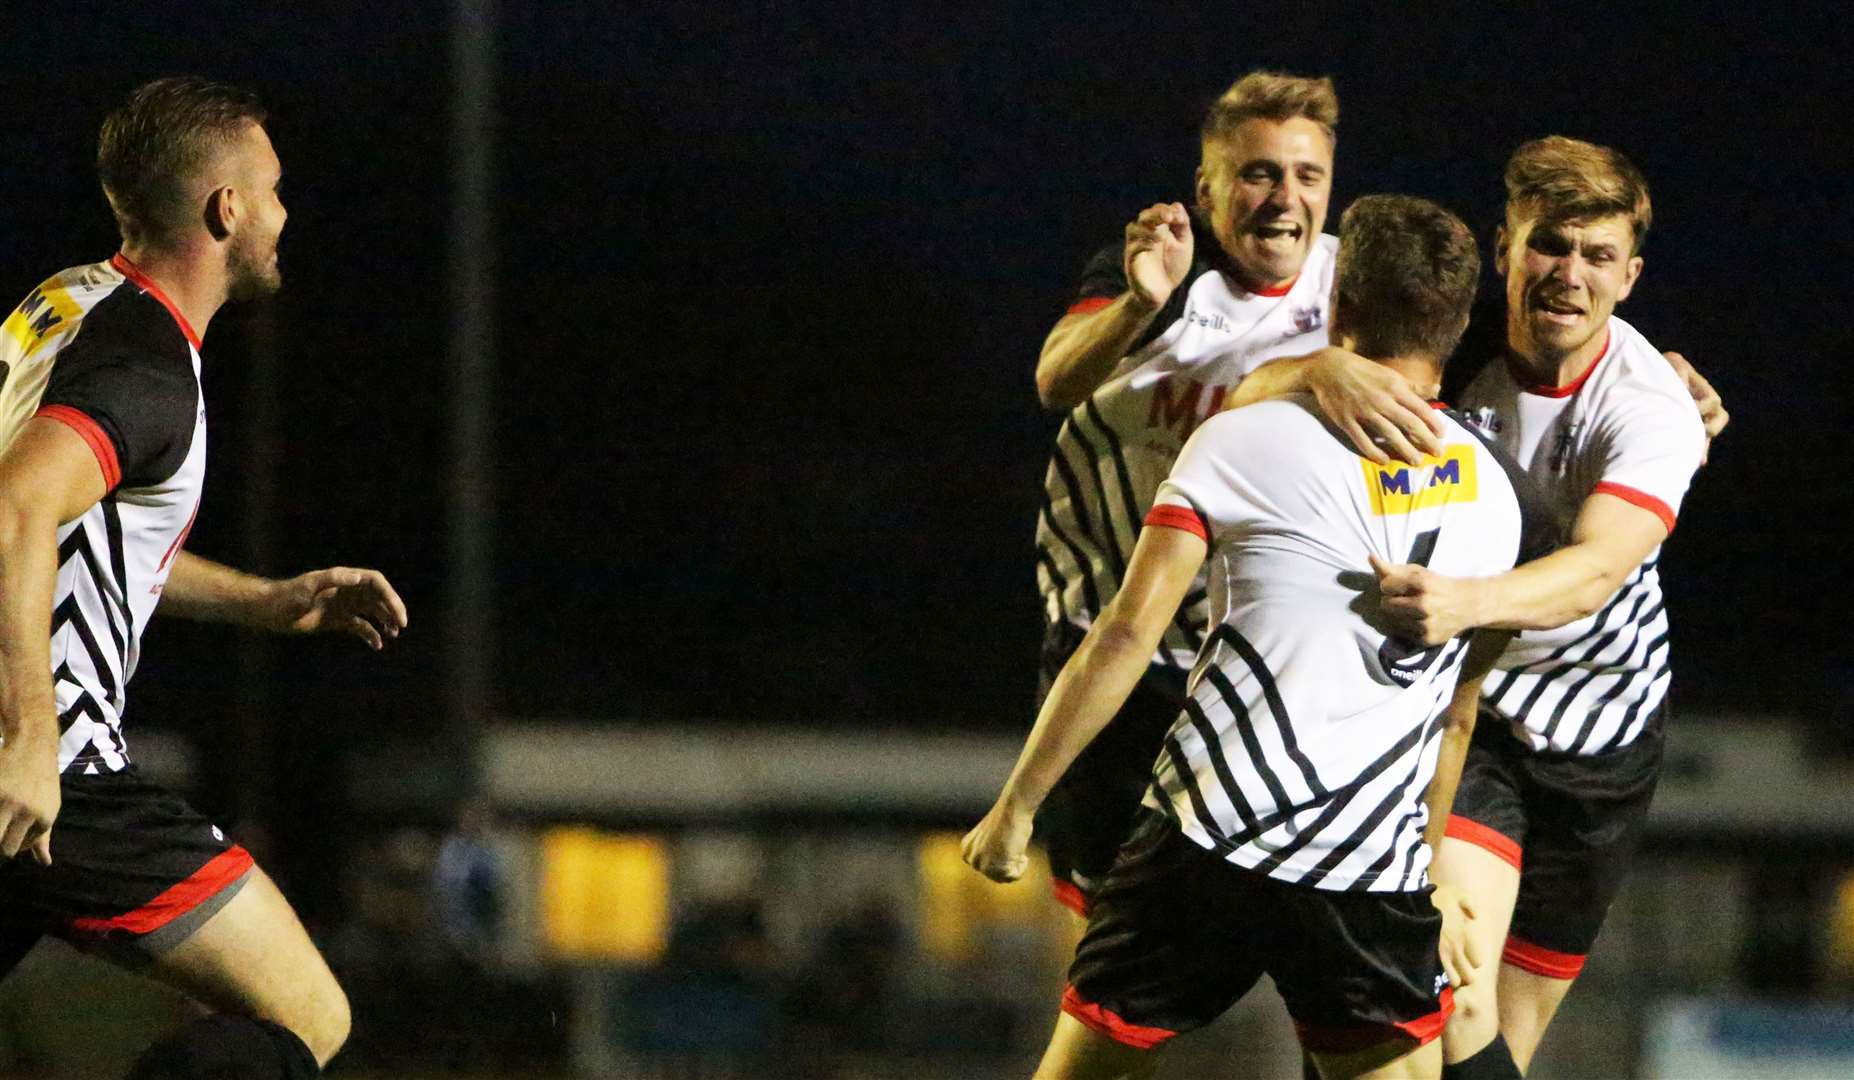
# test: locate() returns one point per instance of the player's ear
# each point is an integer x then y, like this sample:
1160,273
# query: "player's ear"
1632,271
1500,250
222,212
1201,184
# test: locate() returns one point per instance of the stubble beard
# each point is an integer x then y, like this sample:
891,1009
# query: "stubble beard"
250,276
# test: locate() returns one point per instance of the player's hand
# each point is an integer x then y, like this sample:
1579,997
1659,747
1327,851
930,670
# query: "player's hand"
1158,253
340,600
1458,949
1376,408
999,845
1711,406
1421,605
29,800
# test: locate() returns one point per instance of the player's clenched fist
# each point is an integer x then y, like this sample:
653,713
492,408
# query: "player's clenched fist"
999,846
1422,605
29,800
1158,253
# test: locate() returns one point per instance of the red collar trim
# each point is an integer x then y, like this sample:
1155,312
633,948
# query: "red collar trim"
1572,387
146,284
1279,290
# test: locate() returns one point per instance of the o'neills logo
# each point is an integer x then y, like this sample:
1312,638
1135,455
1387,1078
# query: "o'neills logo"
1212,321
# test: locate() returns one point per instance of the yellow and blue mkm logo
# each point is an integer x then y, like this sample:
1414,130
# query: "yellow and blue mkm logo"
1399,489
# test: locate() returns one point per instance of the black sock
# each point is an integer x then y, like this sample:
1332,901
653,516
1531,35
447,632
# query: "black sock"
1493,1062
227,1047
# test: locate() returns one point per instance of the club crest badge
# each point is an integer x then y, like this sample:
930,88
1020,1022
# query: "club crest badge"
1563,443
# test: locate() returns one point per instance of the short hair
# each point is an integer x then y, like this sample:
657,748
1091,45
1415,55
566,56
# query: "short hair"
154,145
1406,276
1272,95
1563,179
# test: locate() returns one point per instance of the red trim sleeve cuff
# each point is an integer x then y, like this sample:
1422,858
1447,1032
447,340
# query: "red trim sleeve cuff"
1636,497
93,435
1173,516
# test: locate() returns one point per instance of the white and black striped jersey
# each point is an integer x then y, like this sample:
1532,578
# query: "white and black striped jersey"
1310,737
1115,448
1627,428
102,350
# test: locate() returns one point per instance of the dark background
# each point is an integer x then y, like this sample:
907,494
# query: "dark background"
772,280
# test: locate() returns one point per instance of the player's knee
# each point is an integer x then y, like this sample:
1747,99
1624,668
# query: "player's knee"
1475,1010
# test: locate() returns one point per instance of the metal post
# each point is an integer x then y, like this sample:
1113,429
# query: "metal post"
253,782
470,645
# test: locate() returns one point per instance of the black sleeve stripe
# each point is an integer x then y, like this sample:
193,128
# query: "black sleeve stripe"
130,370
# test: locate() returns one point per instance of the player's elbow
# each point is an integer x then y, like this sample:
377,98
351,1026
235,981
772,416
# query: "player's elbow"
1598,585
1055,389
1458,721
1118,636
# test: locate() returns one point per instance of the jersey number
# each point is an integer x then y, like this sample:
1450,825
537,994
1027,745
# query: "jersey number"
1404,660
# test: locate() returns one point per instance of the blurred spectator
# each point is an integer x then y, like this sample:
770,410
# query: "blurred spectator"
468,882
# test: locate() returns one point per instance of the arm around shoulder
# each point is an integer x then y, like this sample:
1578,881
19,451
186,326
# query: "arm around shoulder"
1084,347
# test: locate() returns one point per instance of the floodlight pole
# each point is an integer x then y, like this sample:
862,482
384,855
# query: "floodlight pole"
470,569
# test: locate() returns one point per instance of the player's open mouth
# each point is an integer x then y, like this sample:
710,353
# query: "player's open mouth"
1278,232
1557,311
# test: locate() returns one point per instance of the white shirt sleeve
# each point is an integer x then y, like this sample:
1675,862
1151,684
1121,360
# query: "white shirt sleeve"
1650,450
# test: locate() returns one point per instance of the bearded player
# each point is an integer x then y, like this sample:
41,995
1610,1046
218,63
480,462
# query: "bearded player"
104,433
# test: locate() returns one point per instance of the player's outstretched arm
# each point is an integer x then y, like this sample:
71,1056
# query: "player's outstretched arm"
1374,407
48,476
1459,957
1092,687
1609,540
339,600
1084,348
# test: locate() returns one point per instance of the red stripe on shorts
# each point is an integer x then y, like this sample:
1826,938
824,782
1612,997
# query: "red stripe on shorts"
1423,1029
1482,836
223,869
1110,1025
1541,961
1070,896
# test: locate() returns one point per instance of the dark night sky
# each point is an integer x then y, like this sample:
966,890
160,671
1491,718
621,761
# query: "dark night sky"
773,278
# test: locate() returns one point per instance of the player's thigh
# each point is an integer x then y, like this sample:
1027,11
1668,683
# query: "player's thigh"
1528,1001
1489,885
254,957
1078,1052
1396,1060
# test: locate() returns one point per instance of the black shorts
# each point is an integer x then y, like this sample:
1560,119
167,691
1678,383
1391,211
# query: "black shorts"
1089,812
135,871
1177,935
1568,823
